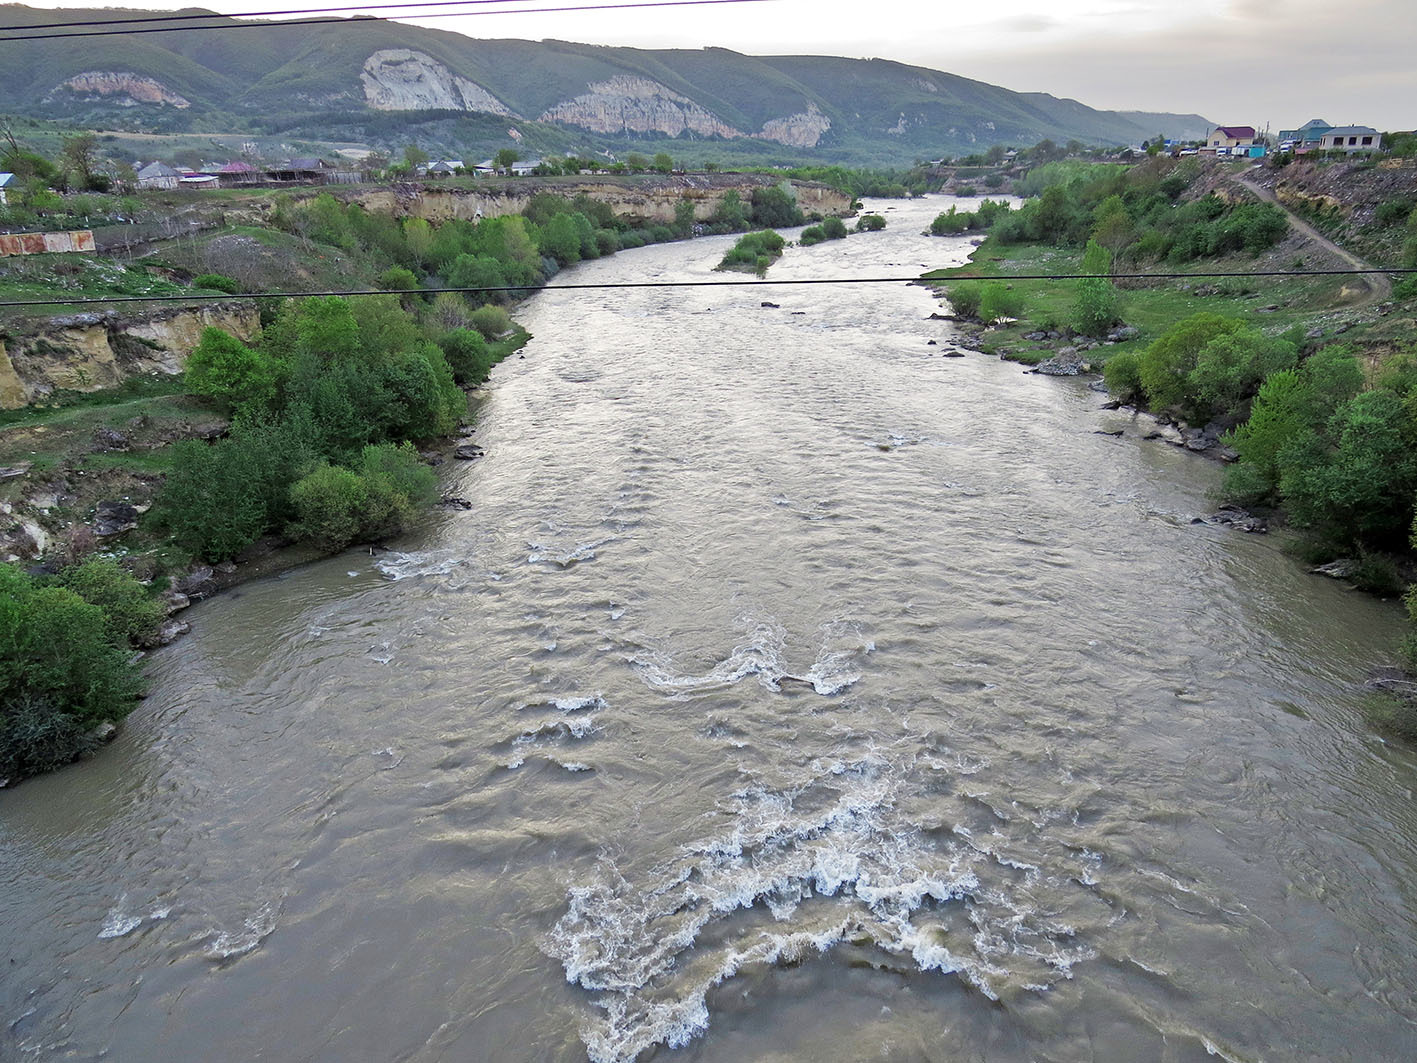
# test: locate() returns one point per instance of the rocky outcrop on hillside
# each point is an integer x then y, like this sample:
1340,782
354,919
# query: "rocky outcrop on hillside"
399,79
638,200
802,130
121,87
626,104
86,352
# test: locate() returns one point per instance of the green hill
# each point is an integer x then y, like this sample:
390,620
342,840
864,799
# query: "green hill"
384,83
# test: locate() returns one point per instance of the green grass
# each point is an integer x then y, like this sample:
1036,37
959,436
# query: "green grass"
1151,309
49,436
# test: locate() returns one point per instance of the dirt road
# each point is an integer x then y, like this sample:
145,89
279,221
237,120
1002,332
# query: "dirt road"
1367,288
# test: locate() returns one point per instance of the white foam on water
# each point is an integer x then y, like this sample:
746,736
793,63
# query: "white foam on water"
117,923
793,873
763,654
228,944
564,558
396,565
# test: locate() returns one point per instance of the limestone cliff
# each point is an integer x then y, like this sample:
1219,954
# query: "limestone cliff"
802,130
398,79
86,352
123,88
626,104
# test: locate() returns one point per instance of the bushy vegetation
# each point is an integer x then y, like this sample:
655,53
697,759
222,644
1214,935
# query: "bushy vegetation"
754,253
830,229
955,221
66,661
329,380
1137,213
870,223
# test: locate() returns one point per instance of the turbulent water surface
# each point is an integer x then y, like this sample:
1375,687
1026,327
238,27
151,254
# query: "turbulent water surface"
790,692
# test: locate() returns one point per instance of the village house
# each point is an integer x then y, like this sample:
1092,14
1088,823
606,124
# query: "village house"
7,182
1230,140
1306,138
446,168
1351,138
158,175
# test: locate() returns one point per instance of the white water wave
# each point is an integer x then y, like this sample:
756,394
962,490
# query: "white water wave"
118,923
796,873
397,565
229,944
764,654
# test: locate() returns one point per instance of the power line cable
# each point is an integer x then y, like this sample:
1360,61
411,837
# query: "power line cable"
360,19
80,23
623,285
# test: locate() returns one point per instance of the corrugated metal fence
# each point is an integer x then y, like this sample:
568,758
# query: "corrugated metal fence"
46,243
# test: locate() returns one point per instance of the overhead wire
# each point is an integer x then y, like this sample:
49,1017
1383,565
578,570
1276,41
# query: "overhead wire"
360,19
745,282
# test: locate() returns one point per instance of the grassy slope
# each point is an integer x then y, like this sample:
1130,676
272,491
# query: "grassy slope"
1306,301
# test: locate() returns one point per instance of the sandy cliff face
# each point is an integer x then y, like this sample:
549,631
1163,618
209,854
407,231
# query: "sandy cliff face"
627,104
91,351
398,79
641,202
802,130
125,89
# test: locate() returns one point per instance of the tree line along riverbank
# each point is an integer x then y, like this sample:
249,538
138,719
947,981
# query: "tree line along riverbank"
1306,384
318,431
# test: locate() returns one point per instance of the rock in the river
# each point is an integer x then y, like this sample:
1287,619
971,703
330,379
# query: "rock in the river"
175,601
1237,518
1067,362
104,732
771,306
114,518
198,582
171,631
468,451
1343,568
455,502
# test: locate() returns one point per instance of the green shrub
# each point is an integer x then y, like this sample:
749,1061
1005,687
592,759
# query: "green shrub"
216,282
491,321
61,673
1166,365
1230,367
811,235
398,279
775,208
1122,374
998,301
225,369
870,223
468,354
330,504
1393,212
134,616
834,229
965,298
1095,305
951,222
757,251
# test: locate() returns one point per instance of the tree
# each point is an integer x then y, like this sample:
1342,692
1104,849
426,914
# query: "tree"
636,162
1095,305
505,159
414,157
225,369
663,163
80,157
1166,365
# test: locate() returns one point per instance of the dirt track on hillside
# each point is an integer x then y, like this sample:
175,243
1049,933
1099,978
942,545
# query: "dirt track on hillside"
1376,287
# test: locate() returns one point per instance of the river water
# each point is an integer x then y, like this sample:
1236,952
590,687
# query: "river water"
790,692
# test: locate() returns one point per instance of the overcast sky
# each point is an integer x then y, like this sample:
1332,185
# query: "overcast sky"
1238,62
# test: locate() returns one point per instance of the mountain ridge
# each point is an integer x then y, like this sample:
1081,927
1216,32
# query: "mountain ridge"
240,76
